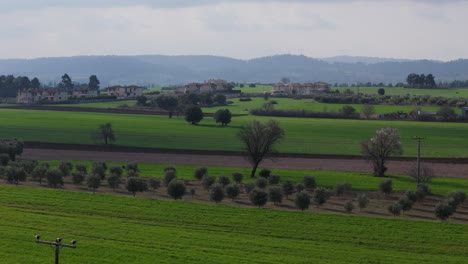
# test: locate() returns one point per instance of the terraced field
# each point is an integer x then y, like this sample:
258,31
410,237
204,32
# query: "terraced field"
112,229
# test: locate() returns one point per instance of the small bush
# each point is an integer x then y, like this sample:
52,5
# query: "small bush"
385,186
200,172
412,196
274,179
299,187
116,170
78,177
39,173
275,195
154,183
459,197
81,168
309,182
15,175
320,196
405,203
248,187
136,184
363,200
176,189
261,183
443,210
99,168
340,188
65,167
169,176
54,178
207,181
216,193
288,188
132,169
349,206
302,200
232,191
237,177
265,173
113,181
4,159
258,197
93,182
422,191
224,180
394,209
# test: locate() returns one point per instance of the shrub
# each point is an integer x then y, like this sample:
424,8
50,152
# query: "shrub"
459,197
54,178
348,206
422,190
114,181
258,197
237,177
170,168
348,111
39,173
443,210
381,91
274,179
302,200
363,200
200,172
116,170
248,187
15,175
232,191
261,183
394,209
412,196
132,169
81,168
216,193
320,196
4,159
93,182
275,195
136,184
340,188
176,189
385,186
288,188
224,180
154,183
78,177
65,167
426,173
299,187
168,177
309,182
265,173
207,181
405,203
99,168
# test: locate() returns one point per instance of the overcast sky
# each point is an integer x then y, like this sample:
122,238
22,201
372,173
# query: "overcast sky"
415,29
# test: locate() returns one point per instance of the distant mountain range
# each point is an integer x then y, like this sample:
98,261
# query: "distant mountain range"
173,70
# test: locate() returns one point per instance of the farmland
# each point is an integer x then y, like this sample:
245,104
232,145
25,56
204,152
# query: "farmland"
319,136
144,230
443,92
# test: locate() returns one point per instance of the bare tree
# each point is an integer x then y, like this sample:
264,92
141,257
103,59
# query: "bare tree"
105,134
377,149
259,140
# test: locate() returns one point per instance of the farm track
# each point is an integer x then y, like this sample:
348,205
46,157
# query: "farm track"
446,167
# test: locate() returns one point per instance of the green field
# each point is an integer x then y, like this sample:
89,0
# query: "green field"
446,92
258,89
112,104
320,136
359,181
112,229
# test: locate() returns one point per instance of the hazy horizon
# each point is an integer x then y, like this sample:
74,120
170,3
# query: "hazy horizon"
412,29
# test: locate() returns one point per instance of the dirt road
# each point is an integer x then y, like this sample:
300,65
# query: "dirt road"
353,165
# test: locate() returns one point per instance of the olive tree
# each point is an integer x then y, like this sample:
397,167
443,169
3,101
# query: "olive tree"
216,193
93,182
232,191
302,200
275,195
377,149
136,184
362,200
176,189
15,174
258,197
54,178
259,140
200,172
39,173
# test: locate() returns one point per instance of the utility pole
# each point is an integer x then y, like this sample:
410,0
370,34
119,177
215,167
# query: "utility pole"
418,161
58,244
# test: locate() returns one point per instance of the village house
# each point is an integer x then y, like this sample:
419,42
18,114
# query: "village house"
44,95
300,88
125,91
210,86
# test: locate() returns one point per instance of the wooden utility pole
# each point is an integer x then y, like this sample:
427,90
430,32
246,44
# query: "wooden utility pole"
418,161
57,244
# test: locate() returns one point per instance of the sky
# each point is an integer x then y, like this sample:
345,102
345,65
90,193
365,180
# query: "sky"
413,29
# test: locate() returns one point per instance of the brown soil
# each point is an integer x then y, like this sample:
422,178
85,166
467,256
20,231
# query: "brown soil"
441,169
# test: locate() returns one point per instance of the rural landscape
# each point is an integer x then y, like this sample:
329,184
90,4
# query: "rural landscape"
210,159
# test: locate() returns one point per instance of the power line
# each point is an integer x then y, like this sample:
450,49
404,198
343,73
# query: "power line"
58,244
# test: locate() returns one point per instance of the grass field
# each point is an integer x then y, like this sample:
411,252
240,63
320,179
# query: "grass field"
359,181
112,229
320,136
458,92
112,104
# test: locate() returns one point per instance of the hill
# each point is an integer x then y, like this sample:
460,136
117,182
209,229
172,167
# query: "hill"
170,70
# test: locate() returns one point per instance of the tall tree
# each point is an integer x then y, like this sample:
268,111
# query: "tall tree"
193,114
105,133
168,103
66,82
377,149
259,140
35,83
93,82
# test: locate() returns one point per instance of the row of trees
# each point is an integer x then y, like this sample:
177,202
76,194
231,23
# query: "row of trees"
421,80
